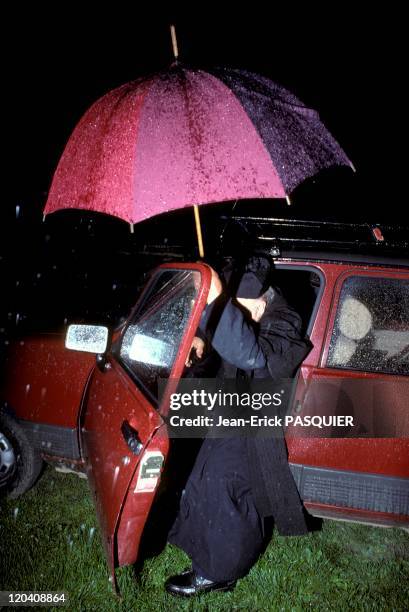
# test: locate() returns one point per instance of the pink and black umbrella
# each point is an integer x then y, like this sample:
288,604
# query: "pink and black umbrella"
188,137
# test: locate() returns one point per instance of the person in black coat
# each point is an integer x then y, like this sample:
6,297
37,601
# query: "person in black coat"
237,482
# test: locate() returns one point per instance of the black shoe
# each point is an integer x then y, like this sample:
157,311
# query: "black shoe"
188,583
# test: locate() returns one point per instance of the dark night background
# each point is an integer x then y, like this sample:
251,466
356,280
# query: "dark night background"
349,66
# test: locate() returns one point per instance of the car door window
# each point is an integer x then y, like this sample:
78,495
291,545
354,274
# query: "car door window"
151,340
371,330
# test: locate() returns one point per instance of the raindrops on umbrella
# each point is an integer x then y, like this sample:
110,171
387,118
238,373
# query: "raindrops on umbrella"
187,137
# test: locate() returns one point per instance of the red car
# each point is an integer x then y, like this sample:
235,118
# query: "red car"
101,415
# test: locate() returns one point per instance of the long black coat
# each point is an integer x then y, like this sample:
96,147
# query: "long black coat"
235,483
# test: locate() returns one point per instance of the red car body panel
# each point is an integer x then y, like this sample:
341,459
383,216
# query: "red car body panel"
136,508
111,399
389,456
372,455
45,382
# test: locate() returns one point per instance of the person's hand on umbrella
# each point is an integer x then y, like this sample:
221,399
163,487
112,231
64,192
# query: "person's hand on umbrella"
197,347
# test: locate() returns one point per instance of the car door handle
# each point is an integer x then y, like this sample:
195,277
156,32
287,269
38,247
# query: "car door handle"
132,438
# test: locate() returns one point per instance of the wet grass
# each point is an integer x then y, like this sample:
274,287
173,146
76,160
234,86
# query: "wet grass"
50,541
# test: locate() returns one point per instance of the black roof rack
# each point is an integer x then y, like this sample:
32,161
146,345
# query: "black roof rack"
295,234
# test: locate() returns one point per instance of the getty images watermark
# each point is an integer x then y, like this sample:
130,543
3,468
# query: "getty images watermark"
317,408
255,401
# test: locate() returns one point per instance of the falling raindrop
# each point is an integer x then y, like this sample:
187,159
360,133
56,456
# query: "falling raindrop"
28,387
43,392
91,533
38,275
114,286
17,211
116,474
15,512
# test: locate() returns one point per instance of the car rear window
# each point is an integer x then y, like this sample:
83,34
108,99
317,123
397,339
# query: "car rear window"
371,330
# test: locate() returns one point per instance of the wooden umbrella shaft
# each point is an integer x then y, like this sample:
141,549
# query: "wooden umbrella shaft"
198,230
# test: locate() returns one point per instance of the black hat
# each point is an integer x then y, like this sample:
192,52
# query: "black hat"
254,281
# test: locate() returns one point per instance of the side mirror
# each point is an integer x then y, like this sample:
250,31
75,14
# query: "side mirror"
87,338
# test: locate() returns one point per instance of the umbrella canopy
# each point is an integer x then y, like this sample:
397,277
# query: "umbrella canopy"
186,137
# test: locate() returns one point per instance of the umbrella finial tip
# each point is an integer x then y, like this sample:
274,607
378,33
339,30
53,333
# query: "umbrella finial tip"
174,42
352,166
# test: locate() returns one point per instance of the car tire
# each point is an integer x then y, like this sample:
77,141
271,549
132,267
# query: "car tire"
20,462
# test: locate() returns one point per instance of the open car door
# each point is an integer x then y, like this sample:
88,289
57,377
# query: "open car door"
123,436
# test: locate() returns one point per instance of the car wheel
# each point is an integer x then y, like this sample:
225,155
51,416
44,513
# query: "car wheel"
20,463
